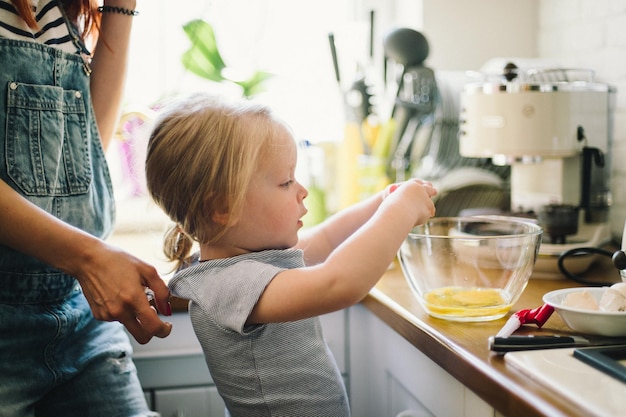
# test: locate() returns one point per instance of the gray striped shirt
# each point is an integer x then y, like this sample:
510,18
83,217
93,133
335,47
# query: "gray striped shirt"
276,369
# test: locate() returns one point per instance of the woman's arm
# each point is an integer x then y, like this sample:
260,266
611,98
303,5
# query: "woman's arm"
113,281
109,67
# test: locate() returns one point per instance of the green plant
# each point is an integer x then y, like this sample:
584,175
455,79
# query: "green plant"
204,59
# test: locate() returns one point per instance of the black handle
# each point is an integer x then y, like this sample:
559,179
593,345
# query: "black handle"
516,343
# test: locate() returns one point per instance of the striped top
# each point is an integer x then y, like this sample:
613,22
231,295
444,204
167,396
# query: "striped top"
266,370
51,29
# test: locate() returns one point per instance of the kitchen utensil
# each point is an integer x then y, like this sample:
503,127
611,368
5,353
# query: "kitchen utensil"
532,342
333,53
358,109
586,321
357,98
537,316
406,47
413,111
416,90
359,134
469,268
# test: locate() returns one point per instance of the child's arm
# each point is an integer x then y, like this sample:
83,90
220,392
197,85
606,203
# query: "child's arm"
319,241
355,266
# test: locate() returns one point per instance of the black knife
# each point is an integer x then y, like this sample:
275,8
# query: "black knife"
532,342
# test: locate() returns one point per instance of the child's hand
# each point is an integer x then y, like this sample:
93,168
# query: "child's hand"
393,187
412,191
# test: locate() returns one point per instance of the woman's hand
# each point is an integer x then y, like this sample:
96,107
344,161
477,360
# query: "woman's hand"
115,282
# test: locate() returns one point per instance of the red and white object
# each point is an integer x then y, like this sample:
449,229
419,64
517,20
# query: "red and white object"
536,316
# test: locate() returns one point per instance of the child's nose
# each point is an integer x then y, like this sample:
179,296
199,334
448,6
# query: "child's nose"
303,191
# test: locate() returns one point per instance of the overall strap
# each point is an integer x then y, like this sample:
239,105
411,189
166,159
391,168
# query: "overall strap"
81,48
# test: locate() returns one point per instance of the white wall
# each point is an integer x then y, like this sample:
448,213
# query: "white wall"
463,34
592,34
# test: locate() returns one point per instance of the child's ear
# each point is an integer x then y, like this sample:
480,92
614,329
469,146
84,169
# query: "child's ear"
221,217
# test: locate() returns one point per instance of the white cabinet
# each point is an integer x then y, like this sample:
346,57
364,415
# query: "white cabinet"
188,402
175,376
384,373
389,375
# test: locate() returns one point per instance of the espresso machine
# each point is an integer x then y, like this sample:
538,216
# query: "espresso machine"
553,127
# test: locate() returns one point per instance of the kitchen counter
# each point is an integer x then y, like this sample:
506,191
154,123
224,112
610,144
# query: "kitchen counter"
462,349
459,348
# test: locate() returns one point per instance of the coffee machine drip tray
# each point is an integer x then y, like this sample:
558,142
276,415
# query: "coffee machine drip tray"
592,235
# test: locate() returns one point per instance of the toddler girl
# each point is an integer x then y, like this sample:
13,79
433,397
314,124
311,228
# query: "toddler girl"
224,173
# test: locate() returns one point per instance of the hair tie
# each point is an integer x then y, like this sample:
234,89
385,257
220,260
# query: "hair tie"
180,236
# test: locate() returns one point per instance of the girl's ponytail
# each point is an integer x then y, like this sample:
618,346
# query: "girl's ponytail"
177,247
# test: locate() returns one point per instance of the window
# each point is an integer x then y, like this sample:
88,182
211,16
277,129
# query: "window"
288,38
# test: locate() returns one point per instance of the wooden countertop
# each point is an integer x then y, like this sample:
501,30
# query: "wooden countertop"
462,348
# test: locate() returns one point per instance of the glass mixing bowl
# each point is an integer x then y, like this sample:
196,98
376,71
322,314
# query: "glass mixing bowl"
470,268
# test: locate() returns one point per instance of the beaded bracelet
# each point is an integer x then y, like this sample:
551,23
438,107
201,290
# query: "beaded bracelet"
120,10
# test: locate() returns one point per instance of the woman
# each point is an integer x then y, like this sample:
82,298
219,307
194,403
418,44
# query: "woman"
61,286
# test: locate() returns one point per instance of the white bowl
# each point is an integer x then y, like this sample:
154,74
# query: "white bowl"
587,321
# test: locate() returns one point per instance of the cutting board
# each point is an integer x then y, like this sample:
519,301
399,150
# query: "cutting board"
558,370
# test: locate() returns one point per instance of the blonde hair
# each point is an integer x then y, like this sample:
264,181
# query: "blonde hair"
202,154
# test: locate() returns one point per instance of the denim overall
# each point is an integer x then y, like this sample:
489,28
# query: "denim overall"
55,358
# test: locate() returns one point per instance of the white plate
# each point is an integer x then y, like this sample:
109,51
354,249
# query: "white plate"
587,321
